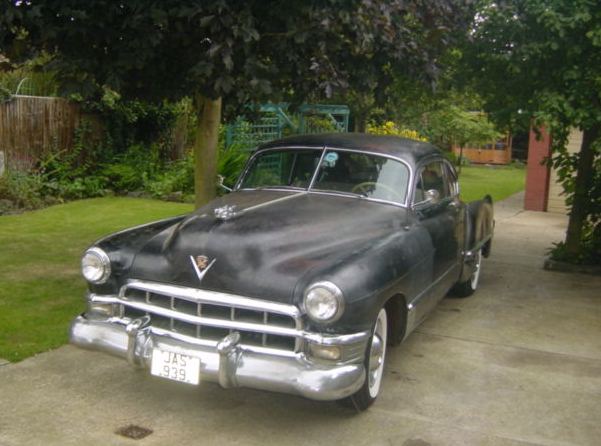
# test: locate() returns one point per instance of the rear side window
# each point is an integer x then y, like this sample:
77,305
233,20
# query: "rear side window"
431,177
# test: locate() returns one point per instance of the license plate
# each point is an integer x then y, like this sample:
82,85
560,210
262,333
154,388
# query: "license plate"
175,366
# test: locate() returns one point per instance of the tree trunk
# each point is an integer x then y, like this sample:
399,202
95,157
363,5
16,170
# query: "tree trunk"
360,122
584,176
208,112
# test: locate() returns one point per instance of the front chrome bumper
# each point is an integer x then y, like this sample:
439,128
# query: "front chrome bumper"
226,363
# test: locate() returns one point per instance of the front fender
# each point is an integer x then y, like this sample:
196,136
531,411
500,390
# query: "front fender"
122,247
400,263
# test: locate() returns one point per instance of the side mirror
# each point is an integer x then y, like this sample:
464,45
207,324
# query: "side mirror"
432,196
220,183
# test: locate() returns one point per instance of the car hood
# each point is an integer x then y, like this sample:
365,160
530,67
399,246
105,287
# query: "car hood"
275,243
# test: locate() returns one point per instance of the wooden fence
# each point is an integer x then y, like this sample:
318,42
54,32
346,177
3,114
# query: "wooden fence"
32,126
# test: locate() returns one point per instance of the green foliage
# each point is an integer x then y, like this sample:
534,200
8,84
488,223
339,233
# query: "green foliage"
542,59
318,124
175,177
240,51
565,164
70,174
230,164
129,171
30,78
5,94
20,191
445,117
454,159
450,125
178,176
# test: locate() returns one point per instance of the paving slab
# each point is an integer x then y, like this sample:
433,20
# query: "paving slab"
519,363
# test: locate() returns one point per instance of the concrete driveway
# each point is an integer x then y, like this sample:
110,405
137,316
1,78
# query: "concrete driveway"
518,363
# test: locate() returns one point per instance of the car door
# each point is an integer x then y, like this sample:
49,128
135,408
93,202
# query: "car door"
437,209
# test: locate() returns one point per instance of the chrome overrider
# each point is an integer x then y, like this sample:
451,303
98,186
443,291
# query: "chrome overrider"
227,361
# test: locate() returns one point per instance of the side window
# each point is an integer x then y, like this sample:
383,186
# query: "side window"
431,177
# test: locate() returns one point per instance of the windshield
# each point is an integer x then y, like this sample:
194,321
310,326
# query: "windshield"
282,168
347,172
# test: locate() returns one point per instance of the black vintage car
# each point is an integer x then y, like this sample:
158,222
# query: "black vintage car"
328,249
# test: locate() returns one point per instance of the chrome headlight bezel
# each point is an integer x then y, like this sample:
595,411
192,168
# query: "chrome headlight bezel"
332,293
104,266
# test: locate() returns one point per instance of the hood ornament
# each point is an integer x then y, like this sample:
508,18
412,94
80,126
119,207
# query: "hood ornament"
225,212
201,265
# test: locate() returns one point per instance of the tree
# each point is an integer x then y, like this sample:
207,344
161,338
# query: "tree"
225,54
543,58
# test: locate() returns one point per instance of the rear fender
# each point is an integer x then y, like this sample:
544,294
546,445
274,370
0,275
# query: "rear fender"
479,232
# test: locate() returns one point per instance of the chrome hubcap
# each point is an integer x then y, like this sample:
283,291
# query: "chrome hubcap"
377,352
476,273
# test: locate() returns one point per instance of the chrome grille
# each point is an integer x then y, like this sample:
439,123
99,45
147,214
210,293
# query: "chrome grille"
211,316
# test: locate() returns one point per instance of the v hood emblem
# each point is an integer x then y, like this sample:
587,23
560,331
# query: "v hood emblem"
201,265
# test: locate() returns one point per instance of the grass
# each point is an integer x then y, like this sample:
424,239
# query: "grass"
41,287
498,181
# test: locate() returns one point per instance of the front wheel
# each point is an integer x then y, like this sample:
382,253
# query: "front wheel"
374,366
467,288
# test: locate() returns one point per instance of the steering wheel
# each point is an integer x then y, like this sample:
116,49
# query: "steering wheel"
363,188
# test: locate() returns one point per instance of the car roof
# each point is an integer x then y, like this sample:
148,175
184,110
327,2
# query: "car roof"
406,149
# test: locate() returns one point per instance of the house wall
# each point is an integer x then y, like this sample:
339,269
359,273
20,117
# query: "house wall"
556,200
537,175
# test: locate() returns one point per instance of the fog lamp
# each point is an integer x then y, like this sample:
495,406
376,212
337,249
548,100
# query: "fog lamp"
101,309
329,352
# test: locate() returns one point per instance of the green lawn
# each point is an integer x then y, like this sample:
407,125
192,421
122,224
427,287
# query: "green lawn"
41,289
40,286
498,181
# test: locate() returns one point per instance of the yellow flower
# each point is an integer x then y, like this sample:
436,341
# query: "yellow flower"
390,128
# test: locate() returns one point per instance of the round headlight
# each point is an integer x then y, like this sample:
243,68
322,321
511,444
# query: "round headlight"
96,266
324,302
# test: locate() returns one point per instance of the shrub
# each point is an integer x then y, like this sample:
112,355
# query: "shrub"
130,170
176,177
390,128
20,191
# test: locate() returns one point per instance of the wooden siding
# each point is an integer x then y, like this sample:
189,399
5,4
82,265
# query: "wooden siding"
556,200
31,126
498,152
